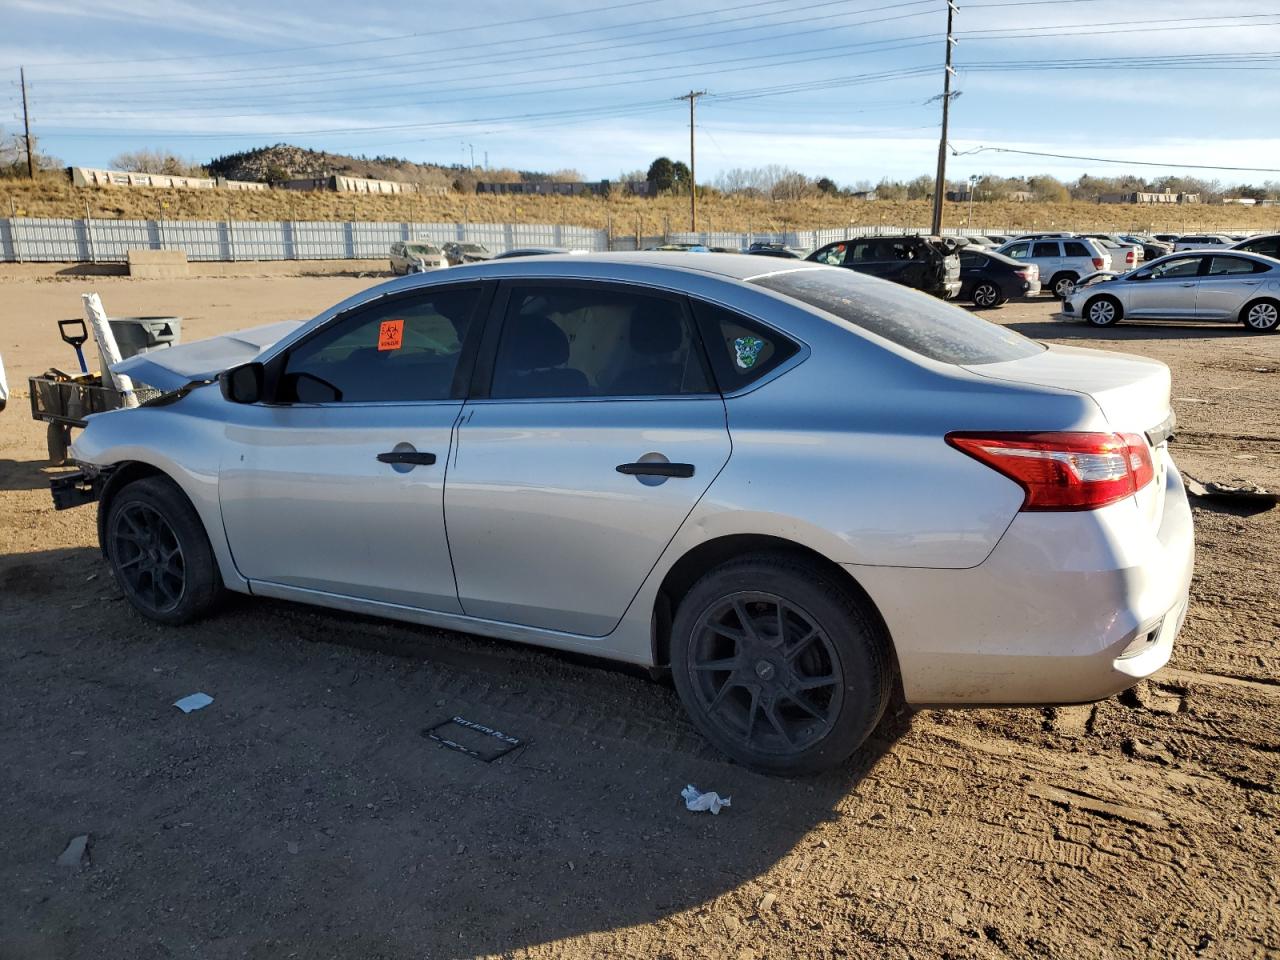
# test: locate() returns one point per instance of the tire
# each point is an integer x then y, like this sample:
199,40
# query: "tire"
1103,312
1261,316
159,552
746,704
987,295
1062,285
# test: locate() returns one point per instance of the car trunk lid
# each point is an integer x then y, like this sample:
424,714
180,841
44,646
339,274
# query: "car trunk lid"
1131,392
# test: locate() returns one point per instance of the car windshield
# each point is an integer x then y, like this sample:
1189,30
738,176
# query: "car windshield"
422,249
472,248
920,323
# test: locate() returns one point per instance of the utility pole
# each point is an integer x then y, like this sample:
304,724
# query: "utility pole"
940,182
26,125
692,96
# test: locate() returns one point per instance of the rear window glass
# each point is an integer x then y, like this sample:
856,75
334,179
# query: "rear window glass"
916,321
742,351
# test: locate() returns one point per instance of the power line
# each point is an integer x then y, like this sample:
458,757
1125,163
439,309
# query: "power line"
1129,163
351,43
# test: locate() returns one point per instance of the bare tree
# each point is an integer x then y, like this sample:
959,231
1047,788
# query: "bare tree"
157,161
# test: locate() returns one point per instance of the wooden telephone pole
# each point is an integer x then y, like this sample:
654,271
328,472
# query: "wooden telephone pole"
26,125
692,96
940,182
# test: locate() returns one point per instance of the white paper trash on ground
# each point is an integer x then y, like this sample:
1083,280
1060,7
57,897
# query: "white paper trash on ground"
697,801
196,701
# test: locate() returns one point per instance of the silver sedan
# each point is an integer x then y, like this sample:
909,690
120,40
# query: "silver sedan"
790,485
1232,287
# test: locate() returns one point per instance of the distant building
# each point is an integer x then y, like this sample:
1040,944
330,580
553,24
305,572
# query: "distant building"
863,195
90,177
595,188
340,183
1139,196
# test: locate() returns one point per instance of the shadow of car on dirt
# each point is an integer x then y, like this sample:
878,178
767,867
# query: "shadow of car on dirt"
1128,330
25,474
305,810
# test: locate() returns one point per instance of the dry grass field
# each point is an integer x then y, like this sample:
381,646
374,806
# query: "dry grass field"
53,197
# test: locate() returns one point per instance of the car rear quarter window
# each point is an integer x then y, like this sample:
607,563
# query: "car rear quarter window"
1225,266
918,322
742,351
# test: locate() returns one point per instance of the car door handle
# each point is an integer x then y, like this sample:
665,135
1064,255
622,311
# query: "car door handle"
657,468
407,456
1191,284
1251,283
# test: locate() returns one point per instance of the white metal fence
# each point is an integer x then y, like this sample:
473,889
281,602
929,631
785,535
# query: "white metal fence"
109,241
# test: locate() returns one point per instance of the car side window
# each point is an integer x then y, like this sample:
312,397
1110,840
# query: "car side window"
1225,266
1078,249
1173,269
1018,251
861,251
587,341
742,350
1045,248
833,255
401,350
972,261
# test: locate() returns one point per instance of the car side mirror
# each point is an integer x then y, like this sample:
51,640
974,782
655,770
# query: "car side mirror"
242,384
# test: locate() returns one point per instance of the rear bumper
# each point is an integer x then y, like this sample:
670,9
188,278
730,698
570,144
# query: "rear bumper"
1068,608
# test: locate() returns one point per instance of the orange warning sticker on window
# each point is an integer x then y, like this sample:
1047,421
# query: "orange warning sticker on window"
391,335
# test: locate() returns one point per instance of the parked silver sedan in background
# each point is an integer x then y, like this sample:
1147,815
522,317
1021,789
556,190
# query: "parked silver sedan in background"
1232,287
788,484
417,256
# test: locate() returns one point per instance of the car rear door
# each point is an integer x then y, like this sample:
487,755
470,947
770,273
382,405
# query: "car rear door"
1225,285
338,485
1047,255
593,430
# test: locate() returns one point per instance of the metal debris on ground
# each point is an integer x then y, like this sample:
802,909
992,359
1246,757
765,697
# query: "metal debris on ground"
196,701
697,801
77,852
1246,494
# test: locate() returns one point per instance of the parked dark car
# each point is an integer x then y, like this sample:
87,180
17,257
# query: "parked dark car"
989,279
1267,244
762,249
925,263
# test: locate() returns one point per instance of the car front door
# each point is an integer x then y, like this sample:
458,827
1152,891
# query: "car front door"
337,485
1164,290
1225,286
594,430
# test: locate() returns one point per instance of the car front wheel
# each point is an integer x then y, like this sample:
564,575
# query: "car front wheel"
1103,311
779,664
159,552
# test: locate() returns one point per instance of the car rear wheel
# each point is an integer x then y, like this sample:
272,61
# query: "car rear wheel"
1103,311
159,553
1063,285
987,294
1262,316
779,664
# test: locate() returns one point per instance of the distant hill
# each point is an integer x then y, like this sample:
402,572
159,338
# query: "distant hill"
286,162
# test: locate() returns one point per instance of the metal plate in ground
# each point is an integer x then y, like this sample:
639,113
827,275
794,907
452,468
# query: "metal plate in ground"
474,739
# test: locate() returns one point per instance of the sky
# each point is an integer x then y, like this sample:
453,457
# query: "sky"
846,89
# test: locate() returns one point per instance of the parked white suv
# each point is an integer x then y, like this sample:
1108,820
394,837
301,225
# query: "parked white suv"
1062,260
1125,254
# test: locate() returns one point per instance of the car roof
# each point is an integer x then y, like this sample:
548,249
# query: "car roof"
1270,262
733,266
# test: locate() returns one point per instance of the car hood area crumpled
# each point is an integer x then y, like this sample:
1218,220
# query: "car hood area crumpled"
174,367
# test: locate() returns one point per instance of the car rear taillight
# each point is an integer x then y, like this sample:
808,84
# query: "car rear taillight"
1064,471
1128,256
1097,263
1029,273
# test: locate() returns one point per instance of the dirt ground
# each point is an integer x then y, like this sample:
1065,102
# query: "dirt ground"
304,813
